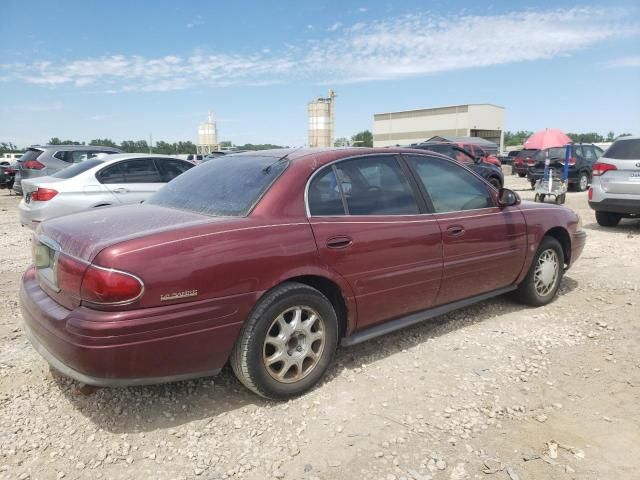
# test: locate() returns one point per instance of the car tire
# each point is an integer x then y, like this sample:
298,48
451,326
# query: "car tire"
522,175
276,329
533,184
583,182
608,219
541,284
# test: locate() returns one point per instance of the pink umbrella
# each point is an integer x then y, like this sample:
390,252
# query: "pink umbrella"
547,138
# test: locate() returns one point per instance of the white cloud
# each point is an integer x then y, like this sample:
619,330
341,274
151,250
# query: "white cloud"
411,45
363,9
334,27
625,62
199,20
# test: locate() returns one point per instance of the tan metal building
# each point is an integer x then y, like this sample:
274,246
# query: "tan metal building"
322,121
482,120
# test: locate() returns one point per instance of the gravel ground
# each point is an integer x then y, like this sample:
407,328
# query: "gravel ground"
493,391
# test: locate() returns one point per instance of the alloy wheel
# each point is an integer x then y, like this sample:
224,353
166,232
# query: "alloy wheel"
294,344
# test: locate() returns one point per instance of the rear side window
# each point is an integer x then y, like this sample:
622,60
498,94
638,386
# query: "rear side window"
77,169
624,150
370,186
170,169
463,156
557,153
141,170
451,188
324,195
228,186
30,154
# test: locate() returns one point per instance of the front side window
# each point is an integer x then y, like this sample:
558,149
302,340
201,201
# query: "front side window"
450,187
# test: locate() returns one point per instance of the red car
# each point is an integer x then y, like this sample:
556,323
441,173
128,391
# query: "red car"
479,152
268,260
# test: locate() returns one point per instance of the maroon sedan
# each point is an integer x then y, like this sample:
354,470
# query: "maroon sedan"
268,260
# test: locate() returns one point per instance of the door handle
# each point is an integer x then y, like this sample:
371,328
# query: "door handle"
339,242
120,190
455,230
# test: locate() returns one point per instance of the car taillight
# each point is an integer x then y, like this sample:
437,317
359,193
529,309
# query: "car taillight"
33,165
518,160
531,162
601,168
108,286
43,194
572,160
69,274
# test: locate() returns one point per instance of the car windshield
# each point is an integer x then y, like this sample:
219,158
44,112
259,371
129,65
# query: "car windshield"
624,150
77,168
228,186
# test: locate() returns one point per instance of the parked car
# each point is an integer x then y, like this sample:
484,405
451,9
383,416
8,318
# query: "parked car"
581,162
269,259
7,176
480,153
489,172
98,182
212,155
45,160
509,157
195,159
615,191
10,159
523,160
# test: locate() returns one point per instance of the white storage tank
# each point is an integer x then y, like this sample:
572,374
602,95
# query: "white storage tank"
321,121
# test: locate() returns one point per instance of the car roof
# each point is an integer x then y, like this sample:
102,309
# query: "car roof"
74,147
129,156
317,157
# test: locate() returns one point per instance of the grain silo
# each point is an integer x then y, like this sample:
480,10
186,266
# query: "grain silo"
321,121
208,136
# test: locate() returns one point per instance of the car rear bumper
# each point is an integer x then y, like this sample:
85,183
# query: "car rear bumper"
135,347
617,205
28,217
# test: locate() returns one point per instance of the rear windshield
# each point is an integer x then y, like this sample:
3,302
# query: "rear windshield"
77,168
444,149
557,153
529,153
228,186
30,154
514,153
624,150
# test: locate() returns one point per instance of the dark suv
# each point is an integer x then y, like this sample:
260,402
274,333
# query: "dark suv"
44,160
583,156
488,171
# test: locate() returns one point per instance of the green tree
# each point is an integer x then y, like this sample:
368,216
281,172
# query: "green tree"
165,148
226,144
259,146
103,142
611,136
185,147
57,141
362,139
8,147
512,139
589,137
342,142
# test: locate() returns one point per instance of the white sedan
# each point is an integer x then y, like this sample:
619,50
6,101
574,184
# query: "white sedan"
98,182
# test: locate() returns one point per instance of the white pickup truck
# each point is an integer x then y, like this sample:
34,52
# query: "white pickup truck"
10,159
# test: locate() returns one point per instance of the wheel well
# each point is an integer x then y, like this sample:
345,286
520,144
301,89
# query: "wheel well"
563,237
330,290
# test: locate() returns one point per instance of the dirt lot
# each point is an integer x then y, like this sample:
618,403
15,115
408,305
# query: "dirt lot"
495,391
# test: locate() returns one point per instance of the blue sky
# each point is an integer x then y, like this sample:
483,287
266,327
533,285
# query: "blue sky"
122,70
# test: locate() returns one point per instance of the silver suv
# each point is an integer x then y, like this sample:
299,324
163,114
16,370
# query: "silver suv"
44,160
615,189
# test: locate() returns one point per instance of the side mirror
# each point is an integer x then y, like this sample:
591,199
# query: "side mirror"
507,198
